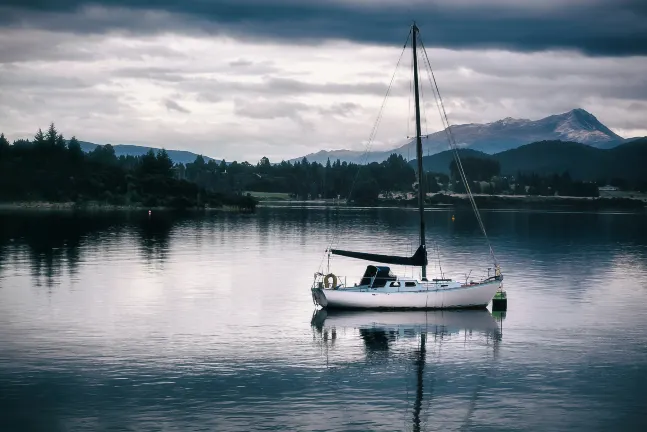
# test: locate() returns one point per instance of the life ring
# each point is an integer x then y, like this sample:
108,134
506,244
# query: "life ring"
327,280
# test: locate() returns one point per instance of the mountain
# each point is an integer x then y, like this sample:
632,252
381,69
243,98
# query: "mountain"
356,157
583,162
177,156
576,125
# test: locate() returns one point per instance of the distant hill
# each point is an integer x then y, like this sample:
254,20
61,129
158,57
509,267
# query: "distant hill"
439,162
583,162
576,125
177,156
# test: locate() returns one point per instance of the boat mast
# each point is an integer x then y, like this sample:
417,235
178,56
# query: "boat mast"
421,189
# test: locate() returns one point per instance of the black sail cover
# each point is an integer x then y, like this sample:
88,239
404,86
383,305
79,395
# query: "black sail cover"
417,259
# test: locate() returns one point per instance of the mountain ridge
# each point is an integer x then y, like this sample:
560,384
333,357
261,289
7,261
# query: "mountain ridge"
575,125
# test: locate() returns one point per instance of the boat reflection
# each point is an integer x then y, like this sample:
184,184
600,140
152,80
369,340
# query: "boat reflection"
379,329
393,325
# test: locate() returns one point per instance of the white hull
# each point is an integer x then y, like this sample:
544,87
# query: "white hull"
455,297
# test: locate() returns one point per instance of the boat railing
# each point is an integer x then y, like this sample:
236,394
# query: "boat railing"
334,281
341,281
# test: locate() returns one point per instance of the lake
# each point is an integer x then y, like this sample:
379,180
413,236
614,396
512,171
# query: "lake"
177,323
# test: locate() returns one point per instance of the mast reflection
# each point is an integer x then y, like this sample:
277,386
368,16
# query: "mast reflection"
380,330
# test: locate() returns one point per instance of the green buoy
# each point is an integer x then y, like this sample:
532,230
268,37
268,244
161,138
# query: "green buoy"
500,301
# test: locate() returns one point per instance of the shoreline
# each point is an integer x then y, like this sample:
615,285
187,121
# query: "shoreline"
91,207
490,202
439,200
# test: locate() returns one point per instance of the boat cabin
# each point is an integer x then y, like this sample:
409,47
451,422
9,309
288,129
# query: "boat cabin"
377,276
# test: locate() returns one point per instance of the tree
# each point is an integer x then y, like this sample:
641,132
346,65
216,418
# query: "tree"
60,142
51,135
22,143
104,154
164,164
4,143
39,138
264,165
74,147
432,184
199,161
222,167
147,163
366,191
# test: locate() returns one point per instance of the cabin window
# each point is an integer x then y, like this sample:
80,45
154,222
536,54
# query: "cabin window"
395,284
409,284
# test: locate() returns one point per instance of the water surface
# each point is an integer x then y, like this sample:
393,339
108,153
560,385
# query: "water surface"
125,322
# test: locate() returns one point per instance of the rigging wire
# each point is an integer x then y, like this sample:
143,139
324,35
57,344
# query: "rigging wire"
371,138
454,147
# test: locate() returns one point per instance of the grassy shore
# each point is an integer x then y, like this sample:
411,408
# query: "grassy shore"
536,202
270,196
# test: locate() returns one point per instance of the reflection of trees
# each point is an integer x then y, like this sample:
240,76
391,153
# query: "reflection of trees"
52,242
49,240
154,233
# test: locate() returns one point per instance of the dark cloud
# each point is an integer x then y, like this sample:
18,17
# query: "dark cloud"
595,27
171,105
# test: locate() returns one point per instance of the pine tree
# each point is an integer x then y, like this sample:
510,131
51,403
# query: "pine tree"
4,143
51,135
164,164
73,145
60,141
199,161
74,148
39,138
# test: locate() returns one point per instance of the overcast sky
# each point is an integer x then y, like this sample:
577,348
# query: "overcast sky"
241,79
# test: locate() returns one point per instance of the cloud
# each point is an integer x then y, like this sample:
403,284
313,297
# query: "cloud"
171,105
252,99
594,27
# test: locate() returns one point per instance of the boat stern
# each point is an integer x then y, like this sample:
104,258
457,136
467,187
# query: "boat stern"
319,297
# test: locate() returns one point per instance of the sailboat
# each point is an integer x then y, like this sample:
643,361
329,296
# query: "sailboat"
380,288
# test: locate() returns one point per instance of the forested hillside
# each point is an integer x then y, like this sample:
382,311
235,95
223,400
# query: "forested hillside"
49,168
546,158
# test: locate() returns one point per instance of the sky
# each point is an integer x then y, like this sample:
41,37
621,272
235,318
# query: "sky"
243,79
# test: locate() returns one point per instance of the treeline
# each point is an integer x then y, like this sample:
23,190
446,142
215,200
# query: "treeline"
364,184
305,180
485,177
50,168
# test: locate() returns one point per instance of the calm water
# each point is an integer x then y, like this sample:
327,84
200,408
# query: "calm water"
206,323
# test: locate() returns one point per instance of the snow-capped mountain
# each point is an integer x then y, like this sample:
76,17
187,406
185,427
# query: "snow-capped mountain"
576,125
